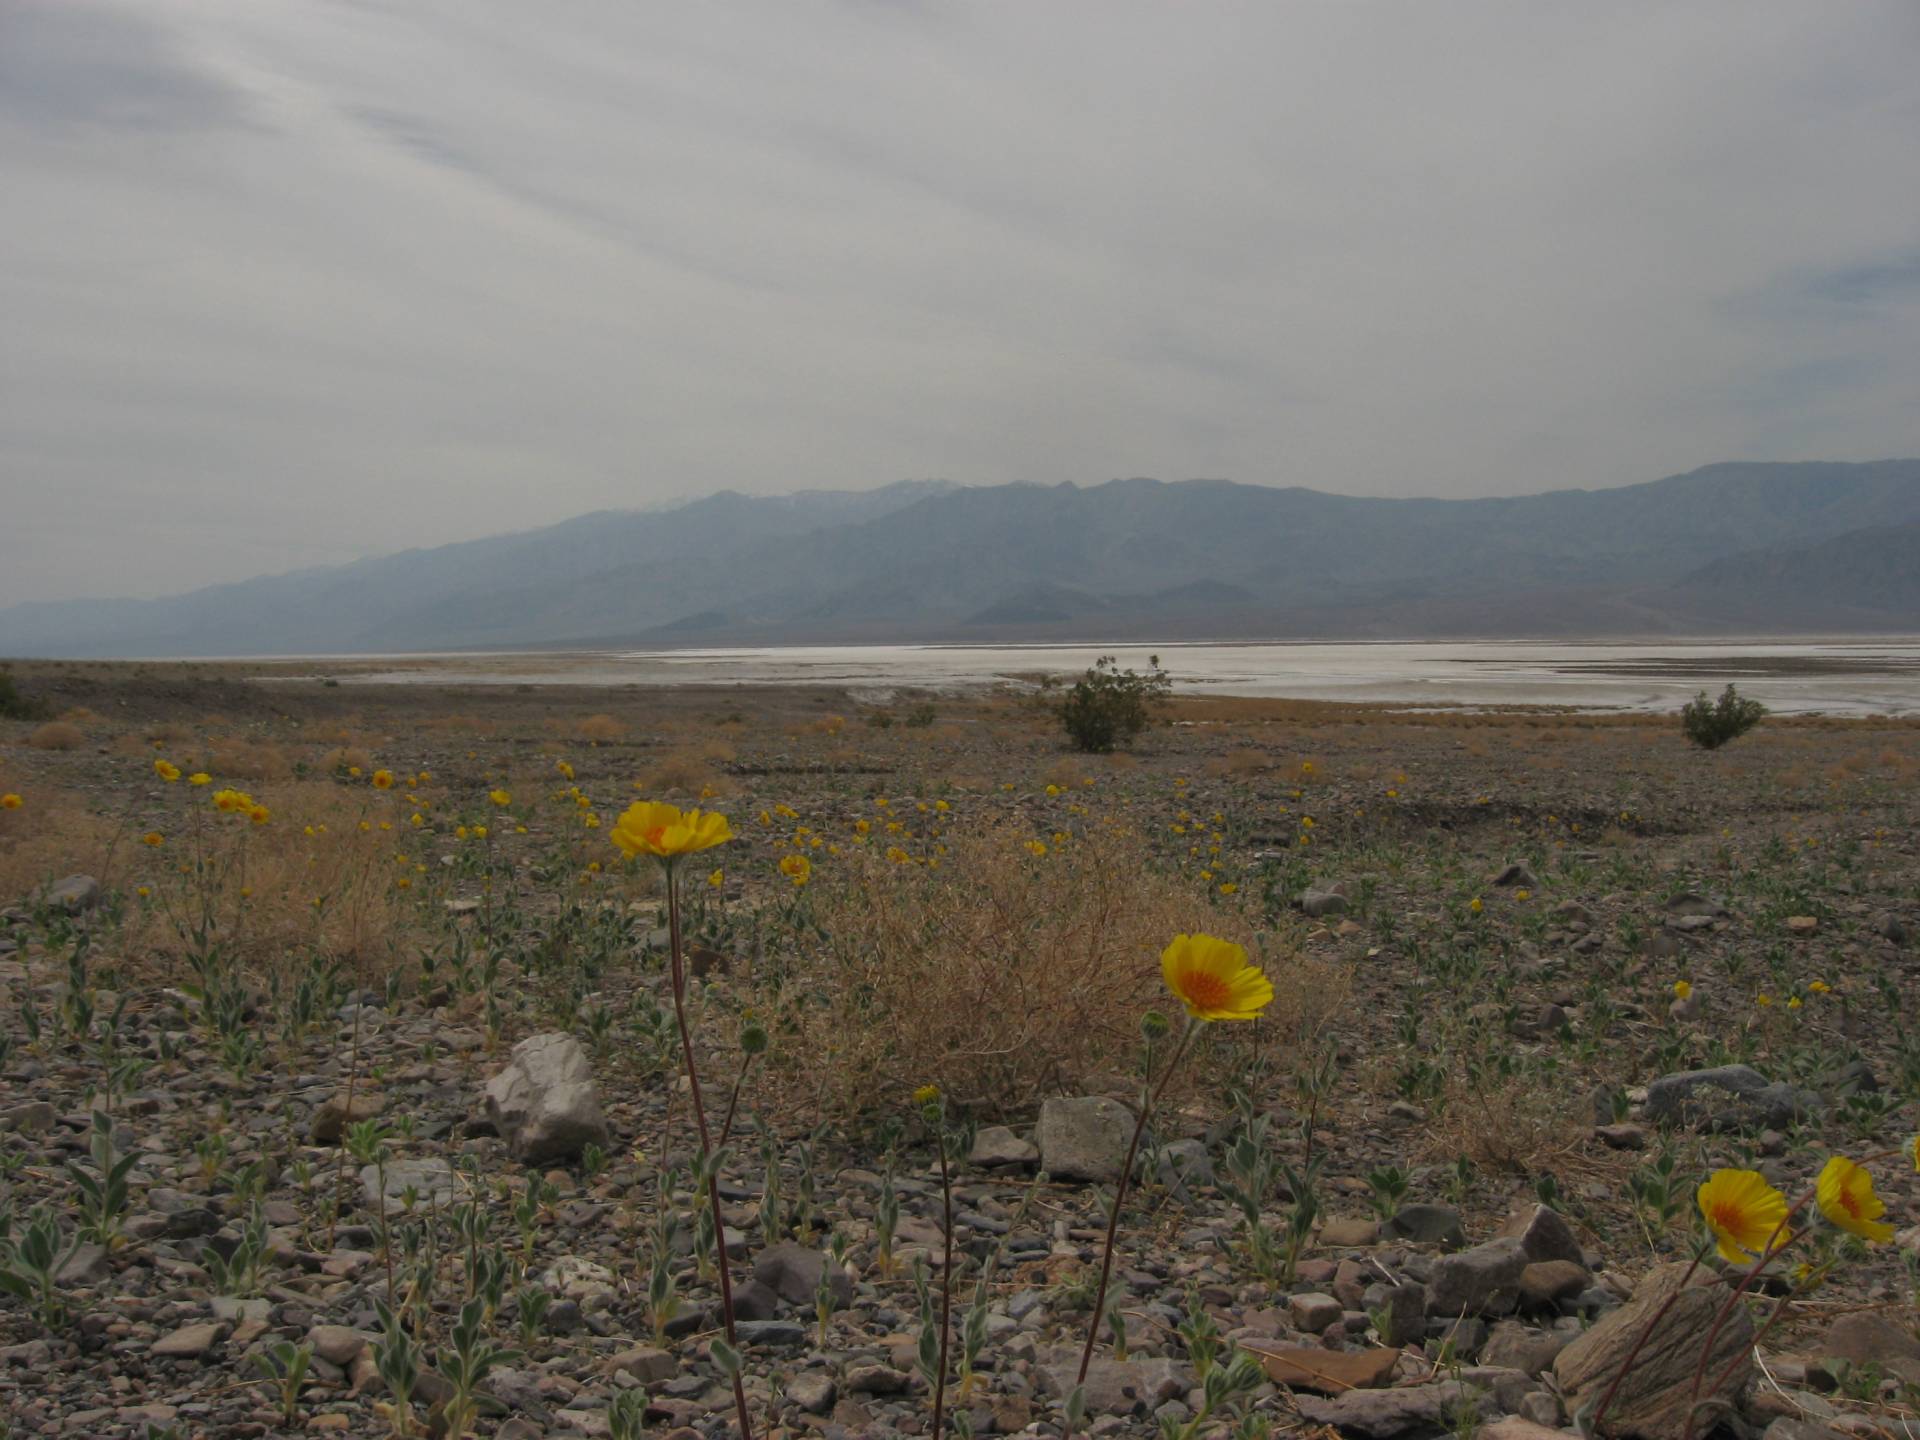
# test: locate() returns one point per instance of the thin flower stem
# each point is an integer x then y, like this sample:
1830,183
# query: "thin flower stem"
946,1280
1120,1195
700,1120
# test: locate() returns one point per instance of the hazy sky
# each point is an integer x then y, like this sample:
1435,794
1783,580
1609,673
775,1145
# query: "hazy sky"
286,282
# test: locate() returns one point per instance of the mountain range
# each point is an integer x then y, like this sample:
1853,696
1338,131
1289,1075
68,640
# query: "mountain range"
1743,548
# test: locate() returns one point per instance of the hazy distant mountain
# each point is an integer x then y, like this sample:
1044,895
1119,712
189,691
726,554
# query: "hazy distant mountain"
1731,548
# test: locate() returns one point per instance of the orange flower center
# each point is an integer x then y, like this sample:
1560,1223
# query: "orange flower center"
1204,990
1726,1216
1849,1201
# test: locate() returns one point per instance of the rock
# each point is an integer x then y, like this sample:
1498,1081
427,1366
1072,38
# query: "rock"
72,895
1520,1347
1382,1414
1514,1427
1314,1312
755,1301
1726,1097
86,1264
1621,1137
1182,1163
1349,1232
1867,1338
1317,904
812,1391
189,1342
1891,929
1516,876
1083,1139
575,1278
1652,1400
1330,1372
780,1333
1467,1282
1543,1234
543,1104
1120,1387
1544,1284
336,1344
1400,1310
997,1145
336,1113
792,1271
1687,904
645,1363
36,1117
876,1380
1802,924
430,1178
1426,1225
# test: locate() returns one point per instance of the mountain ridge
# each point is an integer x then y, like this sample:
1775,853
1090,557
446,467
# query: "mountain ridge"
1729,547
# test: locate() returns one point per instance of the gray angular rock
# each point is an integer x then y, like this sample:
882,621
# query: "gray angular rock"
813,1391
1468,1281
997,1145
1426,1225
1318,904
1120,1387
189,1342
72,895
1543,1234
1381,1414
543,1103
430,1178
1726,1097
1520,1347
792,1271
1084,1138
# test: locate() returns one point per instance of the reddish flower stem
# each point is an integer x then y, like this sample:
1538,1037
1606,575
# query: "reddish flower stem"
1120,1194
700,1120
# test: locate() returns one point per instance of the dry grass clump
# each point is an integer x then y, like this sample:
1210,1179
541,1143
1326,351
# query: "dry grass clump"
599,728
1001,976
1068,774
688,772
48,837
1514,1125
1247,760
234,759
344,758
57,735
364,919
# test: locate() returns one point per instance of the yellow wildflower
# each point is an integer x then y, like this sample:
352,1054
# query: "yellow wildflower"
650,827
796,868
1213,979
1745,1213
1844,1193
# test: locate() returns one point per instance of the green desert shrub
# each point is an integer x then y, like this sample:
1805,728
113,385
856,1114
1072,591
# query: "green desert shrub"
1107,707
1712,723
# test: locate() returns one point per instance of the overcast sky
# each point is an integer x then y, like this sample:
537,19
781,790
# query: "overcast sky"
287,282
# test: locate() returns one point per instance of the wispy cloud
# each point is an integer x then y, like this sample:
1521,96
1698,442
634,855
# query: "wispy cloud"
285,284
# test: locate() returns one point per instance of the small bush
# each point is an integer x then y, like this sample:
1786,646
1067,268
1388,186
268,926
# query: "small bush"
57,735
16,704
1107,707
1712,723
600,727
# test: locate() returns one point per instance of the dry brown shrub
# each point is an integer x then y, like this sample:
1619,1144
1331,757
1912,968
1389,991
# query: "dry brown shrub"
599,728
1245,761
364,920
57,735
1001,977
344,758
234,759
685,772
1068,774
50,836
167,732
1515,1125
